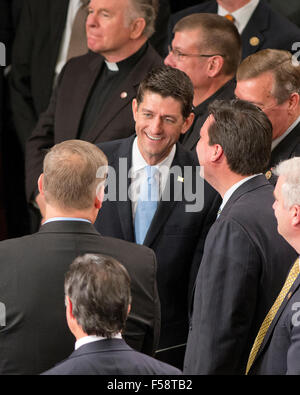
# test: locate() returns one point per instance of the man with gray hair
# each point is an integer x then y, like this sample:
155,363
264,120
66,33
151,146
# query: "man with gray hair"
276,350
32,268
98,300
270,79
92,99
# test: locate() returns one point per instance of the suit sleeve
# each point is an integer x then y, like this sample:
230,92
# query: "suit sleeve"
23,111
226,293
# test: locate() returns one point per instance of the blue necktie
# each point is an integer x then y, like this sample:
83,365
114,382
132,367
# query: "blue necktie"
147,204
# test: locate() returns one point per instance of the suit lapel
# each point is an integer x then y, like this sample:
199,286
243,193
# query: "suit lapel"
252,36
124,204
58,15
285,148
293,289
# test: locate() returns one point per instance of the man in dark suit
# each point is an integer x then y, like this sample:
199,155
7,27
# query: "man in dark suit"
259,25
92,100
207,48
184,208
276,349
245,260
271,80
34,336
98,300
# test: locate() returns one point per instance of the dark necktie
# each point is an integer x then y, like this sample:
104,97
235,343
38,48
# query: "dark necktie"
78,44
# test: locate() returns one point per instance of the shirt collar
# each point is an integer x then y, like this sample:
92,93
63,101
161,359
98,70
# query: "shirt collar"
232,189
139,163
280,138
66,219
242,15
90,339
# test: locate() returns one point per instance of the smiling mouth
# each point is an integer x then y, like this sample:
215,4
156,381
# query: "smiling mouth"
152,137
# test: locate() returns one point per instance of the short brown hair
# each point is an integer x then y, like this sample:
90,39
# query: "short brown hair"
220,36
245,134
280,64
169,82
146,9
73,171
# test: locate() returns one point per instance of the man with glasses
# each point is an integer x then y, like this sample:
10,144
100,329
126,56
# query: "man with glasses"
207,47
270,79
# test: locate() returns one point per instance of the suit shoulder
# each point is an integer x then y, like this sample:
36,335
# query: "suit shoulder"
123,245
207,6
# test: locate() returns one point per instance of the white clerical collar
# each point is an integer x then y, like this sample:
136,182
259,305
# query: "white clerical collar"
242,15
232,189
280,138
112,66
90,339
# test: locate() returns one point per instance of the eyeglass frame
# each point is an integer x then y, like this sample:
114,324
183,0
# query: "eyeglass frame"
179,54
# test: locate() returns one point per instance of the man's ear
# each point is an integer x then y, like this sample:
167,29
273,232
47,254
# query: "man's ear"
188,123
217,153
99,196
215,65
295,215
134,108
137,28
41,184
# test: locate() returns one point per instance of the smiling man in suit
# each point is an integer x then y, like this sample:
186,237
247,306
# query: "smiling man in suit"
177,227
276,350
245,260
270,79
92,99
35,335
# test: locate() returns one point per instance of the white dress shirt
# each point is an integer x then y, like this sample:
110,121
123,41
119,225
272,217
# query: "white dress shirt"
74,6
242,15
90,339
138,173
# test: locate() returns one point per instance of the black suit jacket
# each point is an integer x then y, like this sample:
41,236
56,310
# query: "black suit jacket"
272,29
32,268
279,352
110,357
244,265
62,119
190,139
176,236
286,149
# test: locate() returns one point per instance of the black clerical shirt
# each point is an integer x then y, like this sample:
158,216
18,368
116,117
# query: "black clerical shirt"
106,84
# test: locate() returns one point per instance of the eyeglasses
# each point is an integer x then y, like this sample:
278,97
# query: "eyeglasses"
180,56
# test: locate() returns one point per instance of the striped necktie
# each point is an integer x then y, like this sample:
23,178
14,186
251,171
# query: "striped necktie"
271,314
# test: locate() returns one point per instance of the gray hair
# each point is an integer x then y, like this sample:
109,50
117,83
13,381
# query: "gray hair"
290,170
146,9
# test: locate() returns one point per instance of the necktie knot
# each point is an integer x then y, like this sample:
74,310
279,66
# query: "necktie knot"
230,17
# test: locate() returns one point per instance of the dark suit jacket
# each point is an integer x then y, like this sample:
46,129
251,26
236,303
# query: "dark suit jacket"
280,350
110,357
62,119
272,29
32,270
244,265
190,139
176,236
286,149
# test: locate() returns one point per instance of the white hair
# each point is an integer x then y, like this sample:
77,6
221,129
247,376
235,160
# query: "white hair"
290,170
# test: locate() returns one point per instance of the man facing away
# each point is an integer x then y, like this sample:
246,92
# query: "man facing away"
34,336
245,260
98,299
